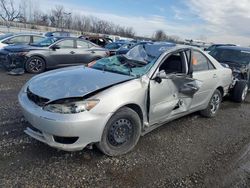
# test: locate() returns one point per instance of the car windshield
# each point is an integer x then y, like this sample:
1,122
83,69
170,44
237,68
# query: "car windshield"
233,56
136,62
45,42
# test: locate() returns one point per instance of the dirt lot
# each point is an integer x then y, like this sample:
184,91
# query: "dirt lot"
190,152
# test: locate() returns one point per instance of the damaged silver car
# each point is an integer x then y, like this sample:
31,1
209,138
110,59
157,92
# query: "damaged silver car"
115,100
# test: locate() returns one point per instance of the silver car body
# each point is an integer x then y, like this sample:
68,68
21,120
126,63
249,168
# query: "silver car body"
30,38
154,102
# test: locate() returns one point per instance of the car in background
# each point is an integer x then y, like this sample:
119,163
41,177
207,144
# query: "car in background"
115,100
57,34
64,51
126,47
100,41
214,46
17,39
113,47
236,58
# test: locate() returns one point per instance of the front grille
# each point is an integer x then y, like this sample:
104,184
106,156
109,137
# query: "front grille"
40,101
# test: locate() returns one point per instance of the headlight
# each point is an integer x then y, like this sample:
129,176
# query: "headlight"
18,54
71,107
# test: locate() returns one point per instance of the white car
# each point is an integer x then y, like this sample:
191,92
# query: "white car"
15,39
115,100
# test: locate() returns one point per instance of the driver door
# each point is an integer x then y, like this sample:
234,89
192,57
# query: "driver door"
64,53
171,88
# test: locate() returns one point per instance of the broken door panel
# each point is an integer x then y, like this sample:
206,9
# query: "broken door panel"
172,96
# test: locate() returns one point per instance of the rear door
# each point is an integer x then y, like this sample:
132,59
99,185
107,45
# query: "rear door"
204,71
64,53
84,52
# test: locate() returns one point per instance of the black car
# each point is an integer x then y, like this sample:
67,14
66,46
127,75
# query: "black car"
236,58
50,53
214,46
100,41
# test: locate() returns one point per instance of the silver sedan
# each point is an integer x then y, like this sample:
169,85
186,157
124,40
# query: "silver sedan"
113,101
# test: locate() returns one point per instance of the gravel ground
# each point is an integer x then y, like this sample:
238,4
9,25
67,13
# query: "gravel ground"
189,152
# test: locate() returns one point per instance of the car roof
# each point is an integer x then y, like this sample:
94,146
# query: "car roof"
238,48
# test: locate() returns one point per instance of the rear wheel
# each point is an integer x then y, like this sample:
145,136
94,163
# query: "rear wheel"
213,105
239,92
35,65
121,133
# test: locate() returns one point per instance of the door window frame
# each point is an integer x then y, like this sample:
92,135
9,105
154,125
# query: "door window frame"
154,74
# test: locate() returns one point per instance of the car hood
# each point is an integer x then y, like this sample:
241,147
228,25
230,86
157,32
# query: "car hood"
73,82
22,48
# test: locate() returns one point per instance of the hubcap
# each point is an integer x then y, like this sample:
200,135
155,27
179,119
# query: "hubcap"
215,103
244,93
35,65
120,132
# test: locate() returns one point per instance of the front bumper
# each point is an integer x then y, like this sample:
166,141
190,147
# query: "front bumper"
86,126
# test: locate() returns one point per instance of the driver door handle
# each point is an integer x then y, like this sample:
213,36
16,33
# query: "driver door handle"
72,52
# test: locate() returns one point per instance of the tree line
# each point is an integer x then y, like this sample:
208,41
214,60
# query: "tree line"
28,11
59,17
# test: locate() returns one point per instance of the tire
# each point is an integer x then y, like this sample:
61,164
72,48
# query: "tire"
35,65
239,92
121,133
213,105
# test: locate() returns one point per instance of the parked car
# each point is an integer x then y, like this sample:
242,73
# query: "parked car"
128,46
100,41
115,100
67,51
57,34
214,46
238,59
113,47
16,39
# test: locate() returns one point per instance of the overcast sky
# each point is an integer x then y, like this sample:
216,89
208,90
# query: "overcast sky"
213,20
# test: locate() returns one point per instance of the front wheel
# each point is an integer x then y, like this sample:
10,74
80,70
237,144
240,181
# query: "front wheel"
239,92
121,133
213,105
35,65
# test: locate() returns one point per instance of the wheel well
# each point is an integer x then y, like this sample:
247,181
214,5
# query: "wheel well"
137,109
221,90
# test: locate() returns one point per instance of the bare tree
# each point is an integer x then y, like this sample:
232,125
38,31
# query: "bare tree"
56,16
8,12
160,35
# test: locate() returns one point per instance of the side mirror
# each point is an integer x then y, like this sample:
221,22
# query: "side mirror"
160,76
55,47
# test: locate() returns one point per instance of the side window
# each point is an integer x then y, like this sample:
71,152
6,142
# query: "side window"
200,62
37,39
173,64
66,44
82,44
18,40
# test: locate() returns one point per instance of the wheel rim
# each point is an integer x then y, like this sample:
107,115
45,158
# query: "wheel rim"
35,65
120,132
215,103
244,93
